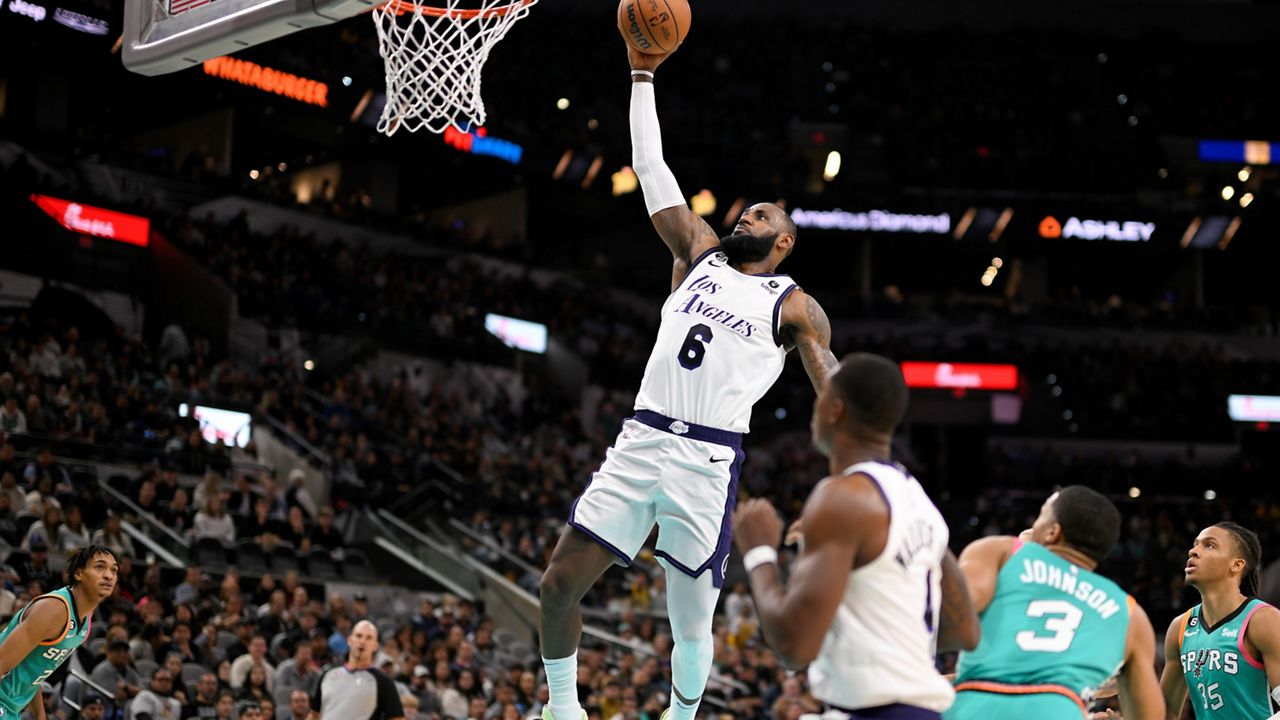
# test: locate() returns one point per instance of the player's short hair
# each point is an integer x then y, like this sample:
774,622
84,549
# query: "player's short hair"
873,389
79,560
1250,548
789,225
1090,522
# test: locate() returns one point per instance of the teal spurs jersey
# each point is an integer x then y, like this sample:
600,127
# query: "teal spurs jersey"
21,684
1225,682
1051,629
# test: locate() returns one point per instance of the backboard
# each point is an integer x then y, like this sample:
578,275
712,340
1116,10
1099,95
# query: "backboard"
164,36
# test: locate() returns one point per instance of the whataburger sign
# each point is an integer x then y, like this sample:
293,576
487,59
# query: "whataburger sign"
960,376
95,221
1118,230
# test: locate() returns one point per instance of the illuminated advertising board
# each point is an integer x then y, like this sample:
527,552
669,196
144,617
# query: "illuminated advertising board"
960,376
95,221
517,333
1254,408
1090,229
872,221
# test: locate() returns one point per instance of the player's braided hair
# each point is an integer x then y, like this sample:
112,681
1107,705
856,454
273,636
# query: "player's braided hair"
79,559
1250,548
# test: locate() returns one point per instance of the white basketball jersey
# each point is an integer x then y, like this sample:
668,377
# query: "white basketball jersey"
881,645
718,349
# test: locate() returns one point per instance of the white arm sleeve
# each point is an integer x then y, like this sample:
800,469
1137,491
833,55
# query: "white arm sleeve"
661,190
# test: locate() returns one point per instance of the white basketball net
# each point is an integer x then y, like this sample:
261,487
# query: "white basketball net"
434,62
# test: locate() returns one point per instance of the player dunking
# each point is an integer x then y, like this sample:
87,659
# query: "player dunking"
1224,652
875,592
1053,630
49,629
722,342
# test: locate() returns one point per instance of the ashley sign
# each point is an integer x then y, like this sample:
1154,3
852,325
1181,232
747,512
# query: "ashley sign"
960,376
95,221
1122,231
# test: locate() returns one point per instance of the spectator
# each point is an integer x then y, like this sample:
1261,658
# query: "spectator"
299,705
297,495
157,700
74,533
46,531
256,657
180,644
295,532
249,711
324,534
255,685
92,707
12,420
9,486
225,707
209,487
113,537
45,466
203,699
296,673
213,521
36,567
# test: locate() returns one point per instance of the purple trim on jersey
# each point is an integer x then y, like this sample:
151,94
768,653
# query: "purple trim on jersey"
573,523
657,421
719,559
876,481
777,311
766,274
896,711
699,259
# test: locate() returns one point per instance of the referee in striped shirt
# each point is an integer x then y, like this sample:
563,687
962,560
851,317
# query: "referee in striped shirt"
357,690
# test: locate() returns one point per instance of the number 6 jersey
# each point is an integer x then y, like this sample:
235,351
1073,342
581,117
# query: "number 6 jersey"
718,348
1050,623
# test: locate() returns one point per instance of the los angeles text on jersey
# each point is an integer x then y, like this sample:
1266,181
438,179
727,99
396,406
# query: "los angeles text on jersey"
1198,661
1041,573
696,305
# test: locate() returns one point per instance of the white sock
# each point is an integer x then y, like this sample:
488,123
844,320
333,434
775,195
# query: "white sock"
680,711
562,681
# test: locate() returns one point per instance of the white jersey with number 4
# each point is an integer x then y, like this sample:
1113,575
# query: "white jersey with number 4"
718,349
881,645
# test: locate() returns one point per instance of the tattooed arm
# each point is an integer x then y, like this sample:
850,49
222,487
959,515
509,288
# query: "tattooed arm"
804,326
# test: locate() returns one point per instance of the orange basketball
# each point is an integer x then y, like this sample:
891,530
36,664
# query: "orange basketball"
654,27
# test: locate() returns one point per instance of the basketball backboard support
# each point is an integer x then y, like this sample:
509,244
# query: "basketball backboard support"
164,36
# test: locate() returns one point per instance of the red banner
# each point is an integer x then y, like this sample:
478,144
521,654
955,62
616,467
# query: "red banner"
90,220
962,376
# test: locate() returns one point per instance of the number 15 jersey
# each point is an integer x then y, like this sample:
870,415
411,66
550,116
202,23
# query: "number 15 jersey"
718,348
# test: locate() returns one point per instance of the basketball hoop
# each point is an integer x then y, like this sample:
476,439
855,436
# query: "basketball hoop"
434,58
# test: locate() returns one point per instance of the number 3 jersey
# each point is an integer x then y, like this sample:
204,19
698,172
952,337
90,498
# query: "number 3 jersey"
1049,623
718,348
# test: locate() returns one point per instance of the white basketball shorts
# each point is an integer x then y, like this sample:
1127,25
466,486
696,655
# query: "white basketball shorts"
682,476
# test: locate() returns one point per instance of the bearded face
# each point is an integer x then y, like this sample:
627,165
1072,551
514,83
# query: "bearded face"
743,248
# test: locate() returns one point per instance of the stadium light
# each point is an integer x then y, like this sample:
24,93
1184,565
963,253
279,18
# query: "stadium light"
1228,192
1244,174
1246,199
832,168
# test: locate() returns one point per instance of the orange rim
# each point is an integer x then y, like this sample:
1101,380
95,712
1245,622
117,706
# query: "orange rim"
401,7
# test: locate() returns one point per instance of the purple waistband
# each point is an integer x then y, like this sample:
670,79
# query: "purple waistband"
689,430
896,711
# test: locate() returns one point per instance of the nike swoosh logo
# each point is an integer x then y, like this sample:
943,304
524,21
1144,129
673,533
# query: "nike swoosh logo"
716,460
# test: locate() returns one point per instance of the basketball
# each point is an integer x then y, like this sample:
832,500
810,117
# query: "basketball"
654,27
